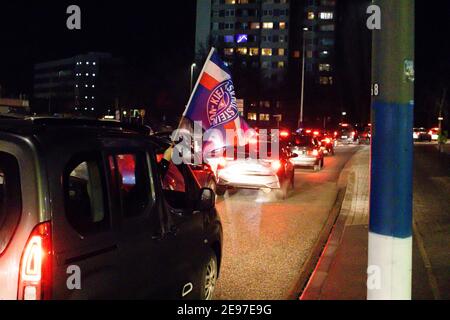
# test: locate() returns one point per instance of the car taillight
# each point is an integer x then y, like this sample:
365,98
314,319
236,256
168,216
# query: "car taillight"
276,165
222,163
327,140
36,265
353,133
430,132
315,152
316,133
284,134
335,133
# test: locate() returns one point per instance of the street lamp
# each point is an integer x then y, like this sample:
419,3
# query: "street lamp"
300,120
193,66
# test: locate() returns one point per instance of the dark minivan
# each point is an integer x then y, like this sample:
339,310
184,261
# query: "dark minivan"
86,212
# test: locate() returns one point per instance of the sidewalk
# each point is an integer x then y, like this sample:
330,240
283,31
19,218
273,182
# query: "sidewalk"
341,271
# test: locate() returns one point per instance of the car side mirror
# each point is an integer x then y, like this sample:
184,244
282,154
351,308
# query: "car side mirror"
207,199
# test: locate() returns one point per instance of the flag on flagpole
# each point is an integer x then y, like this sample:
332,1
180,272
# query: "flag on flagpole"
213,100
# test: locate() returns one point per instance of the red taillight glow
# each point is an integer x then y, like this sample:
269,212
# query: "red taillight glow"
36,265
315,152
222,163
284,134
308,131
430,132
276,165
327,140
316,133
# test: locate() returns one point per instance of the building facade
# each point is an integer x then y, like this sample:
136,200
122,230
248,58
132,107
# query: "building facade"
262,41
84,84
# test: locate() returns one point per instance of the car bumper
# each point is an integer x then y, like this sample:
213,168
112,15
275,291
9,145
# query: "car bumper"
304,161
248,181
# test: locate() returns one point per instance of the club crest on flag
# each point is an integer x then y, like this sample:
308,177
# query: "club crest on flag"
221,105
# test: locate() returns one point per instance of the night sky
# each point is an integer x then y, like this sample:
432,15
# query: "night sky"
157,39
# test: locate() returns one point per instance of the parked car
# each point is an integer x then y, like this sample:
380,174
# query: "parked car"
89,196
244,169
421,134
308,150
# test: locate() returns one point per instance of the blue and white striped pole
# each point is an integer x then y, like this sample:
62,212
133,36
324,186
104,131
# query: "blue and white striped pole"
390,228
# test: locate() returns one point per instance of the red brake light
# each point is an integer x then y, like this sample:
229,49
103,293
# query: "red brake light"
315,152
276,165
222,163
430,132
36,265
308,131
284,134
327,140
316,133
335,133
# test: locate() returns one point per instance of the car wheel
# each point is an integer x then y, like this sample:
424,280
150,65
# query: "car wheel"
220,190
209,276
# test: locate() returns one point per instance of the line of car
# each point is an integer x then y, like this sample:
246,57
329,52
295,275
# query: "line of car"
88,202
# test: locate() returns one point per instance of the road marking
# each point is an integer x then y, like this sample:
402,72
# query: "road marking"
426,260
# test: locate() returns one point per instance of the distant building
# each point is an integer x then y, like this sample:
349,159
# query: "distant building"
85,84
254,38
264,38
320,20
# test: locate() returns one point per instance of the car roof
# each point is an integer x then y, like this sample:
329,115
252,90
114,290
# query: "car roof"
42,126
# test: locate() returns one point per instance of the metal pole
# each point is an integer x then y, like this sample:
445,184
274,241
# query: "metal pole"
390,227
192,75
300,120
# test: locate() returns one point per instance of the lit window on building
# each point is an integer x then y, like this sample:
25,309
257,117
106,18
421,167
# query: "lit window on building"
254,51
243,1
255,25
267,25
228,51
242,51
230,1
264,117
324,67
266,51
252,116
281,51
311,15
281,64
228,39
324,54
326,80
309,54
326,15
282,25
241,38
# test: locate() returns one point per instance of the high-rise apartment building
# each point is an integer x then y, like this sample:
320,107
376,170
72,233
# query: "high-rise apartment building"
262,40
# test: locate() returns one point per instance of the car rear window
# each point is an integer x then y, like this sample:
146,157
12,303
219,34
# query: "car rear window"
10,198
302,141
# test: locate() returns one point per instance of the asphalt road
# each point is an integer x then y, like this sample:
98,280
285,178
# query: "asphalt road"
266,241
432,216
